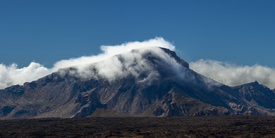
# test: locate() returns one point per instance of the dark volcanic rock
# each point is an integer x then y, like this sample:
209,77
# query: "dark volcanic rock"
178,59
174,90
257,94
6,110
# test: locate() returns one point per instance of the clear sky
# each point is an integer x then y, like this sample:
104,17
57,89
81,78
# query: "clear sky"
45,31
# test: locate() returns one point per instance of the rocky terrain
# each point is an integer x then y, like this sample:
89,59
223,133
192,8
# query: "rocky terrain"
142,127
152,84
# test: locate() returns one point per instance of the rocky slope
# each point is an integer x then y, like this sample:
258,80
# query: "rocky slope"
153,82
257,96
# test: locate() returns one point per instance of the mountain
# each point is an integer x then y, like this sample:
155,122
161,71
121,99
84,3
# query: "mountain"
142,82
257,96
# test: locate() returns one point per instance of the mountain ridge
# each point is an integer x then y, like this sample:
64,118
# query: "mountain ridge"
142,82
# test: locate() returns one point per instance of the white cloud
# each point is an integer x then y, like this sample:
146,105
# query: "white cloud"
12,75
130,63
133,63
109,51
234,75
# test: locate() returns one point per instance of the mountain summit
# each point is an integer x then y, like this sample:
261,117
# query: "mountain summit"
142,82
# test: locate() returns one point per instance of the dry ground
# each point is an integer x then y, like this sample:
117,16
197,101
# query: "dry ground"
215,126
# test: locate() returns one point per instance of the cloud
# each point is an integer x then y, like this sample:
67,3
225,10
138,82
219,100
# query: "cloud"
134,63
130,61
110,51
234,75
11,75
110,69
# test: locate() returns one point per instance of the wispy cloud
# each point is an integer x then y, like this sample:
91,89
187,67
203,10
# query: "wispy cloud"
234,75
133,63
12,75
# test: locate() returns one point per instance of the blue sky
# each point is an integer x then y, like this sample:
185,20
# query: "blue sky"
235,31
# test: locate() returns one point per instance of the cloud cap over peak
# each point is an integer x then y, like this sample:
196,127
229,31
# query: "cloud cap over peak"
12,75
